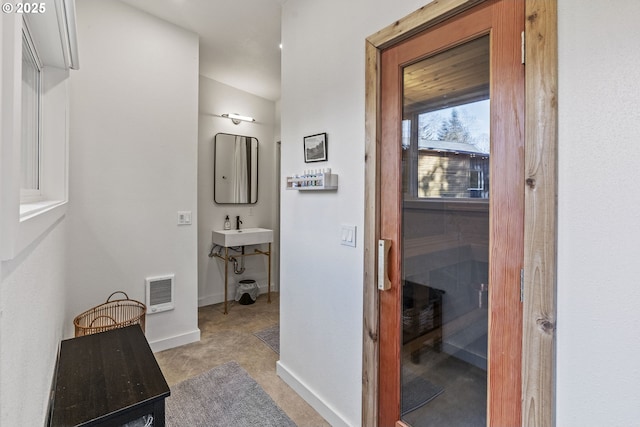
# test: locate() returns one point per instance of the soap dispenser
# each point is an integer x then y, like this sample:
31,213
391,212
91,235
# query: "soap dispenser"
227,223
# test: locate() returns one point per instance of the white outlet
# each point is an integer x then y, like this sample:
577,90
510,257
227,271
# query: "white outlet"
348,235
184,217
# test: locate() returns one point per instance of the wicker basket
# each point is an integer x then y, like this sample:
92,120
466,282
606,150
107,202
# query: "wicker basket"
110,315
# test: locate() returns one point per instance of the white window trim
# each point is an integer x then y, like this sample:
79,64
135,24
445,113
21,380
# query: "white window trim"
29,196
22,224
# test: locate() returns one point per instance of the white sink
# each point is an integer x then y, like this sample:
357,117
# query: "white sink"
242,237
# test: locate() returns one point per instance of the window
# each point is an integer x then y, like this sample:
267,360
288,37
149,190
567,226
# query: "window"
34,118
446,152
476,180
31,120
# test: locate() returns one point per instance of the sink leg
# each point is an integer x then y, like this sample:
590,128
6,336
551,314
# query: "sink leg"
226,277
269,276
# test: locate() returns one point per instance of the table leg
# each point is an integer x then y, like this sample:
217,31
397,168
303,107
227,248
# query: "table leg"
269,277
159,414
226,277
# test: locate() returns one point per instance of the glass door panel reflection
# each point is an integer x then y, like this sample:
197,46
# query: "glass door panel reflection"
445,249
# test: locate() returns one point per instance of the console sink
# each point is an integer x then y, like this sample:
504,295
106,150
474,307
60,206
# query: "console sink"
243,237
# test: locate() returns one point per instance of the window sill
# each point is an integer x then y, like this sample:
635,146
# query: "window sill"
32,209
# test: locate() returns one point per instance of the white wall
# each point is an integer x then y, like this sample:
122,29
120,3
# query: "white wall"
32,309
599,228
133,165
598,292
215,99
32,277
321,281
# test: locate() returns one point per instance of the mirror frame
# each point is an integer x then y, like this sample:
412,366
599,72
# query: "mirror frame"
257,163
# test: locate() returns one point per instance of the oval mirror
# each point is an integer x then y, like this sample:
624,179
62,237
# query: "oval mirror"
235,169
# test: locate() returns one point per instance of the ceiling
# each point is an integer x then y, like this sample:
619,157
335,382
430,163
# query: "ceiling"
457,76
239,39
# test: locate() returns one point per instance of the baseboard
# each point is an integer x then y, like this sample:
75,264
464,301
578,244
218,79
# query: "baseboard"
210,300
310,397
218,297
176,341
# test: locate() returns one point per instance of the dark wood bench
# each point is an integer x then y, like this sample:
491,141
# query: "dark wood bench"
107,379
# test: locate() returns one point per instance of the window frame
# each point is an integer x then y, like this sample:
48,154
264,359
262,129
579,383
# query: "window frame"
411,160
24,221
31,195
479,179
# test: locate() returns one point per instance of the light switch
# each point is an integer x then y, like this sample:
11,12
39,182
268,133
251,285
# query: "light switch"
348,235
184,217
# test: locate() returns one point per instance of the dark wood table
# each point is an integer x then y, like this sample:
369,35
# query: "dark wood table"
108,379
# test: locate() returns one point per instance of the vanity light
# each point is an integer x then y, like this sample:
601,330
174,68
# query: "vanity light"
237,118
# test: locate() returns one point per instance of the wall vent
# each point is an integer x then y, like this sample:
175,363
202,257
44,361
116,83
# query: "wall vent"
159,294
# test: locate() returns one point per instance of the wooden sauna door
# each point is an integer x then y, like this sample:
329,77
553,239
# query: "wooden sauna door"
453,212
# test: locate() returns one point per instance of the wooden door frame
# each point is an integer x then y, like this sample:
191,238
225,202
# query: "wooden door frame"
540,188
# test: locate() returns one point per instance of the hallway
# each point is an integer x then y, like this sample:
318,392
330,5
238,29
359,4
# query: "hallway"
230,337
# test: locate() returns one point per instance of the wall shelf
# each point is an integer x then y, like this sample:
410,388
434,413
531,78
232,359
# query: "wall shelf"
313,182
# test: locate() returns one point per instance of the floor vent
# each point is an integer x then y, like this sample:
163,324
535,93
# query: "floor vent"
159,294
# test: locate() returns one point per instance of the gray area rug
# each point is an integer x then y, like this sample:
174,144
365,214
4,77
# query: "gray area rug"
225,396
416,392
271,337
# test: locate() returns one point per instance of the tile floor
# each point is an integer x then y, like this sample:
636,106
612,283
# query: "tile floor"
230,337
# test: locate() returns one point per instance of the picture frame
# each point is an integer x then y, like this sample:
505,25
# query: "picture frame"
315,148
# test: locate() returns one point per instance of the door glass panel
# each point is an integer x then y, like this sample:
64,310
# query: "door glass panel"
445,248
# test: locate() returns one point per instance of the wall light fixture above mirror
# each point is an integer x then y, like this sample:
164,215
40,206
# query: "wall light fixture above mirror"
237,118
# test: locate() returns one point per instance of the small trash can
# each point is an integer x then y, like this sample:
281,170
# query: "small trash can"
247,292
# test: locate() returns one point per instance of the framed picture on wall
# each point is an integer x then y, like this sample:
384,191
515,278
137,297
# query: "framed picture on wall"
315,148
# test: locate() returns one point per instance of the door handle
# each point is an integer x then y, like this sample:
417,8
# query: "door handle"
384,245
